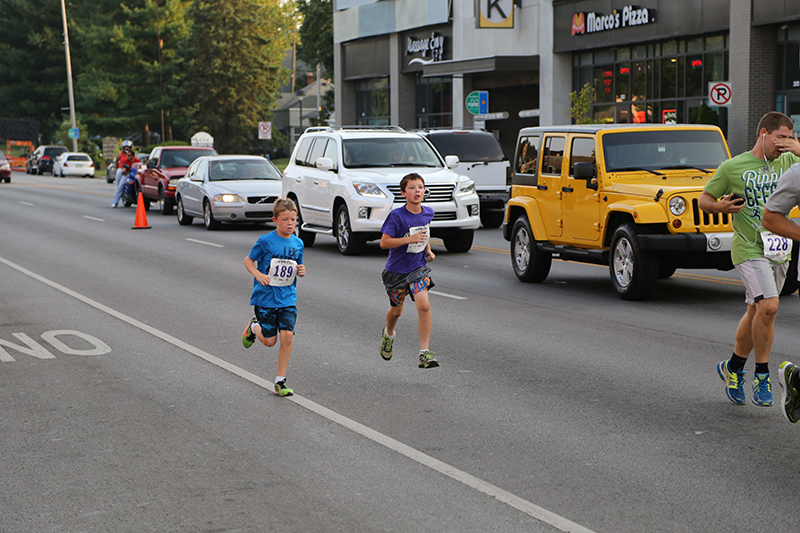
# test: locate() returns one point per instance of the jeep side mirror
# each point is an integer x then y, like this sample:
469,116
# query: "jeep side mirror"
451,161
324,163
584,171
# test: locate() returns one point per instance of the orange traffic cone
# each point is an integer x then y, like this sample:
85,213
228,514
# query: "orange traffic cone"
141,216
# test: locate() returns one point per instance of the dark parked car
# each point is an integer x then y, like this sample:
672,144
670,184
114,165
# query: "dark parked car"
42,159
165,166
5,169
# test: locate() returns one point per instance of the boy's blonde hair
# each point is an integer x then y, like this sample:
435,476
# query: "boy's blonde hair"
283,204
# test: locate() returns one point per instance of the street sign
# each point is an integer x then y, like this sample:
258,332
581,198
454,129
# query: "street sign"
265,130
500,115
720,93
478,102
73,133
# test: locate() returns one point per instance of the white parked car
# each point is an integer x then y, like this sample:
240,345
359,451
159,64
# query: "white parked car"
73,164
346,181
228,188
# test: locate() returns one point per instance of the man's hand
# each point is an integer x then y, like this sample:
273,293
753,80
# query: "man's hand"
788,144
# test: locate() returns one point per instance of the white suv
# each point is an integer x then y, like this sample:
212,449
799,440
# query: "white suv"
345,182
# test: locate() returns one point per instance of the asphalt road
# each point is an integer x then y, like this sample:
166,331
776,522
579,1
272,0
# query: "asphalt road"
129,403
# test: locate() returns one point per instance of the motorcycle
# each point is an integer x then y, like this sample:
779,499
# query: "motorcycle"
129,195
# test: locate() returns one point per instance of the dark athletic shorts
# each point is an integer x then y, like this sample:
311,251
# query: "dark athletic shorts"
274,319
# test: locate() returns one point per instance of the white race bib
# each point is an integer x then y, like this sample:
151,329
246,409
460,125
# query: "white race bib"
776,248
417,247
282,272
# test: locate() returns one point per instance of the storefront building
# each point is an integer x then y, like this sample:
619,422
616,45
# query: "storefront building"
414,63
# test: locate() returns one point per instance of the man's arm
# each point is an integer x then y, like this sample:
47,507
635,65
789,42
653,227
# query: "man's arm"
780,225
710,205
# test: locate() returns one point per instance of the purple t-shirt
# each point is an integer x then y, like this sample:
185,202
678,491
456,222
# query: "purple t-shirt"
398,224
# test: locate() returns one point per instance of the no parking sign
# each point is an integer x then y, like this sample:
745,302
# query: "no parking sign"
265,130
720,93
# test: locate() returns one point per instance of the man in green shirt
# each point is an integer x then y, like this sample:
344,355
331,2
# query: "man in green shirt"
741,187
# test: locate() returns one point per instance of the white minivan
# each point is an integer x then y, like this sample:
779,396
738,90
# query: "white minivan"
481,159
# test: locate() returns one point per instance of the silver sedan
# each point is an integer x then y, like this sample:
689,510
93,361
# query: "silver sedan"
228,188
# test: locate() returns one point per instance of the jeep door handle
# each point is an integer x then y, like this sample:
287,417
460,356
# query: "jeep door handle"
542,187
566,189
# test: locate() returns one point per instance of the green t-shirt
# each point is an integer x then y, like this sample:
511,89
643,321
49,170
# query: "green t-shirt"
751,178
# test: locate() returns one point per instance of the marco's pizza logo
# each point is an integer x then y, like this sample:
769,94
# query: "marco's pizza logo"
578,24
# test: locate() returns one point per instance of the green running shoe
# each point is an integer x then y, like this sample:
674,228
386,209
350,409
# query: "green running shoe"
282,390
426,360
248,337
788,377
387,350
762,390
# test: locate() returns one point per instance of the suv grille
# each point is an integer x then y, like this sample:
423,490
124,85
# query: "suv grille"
438,193
703,219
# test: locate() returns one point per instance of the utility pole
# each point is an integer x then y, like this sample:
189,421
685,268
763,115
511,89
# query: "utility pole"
69,78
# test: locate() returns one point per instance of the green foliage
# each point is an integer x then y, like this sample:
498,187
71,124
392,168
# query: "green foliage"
231,69
580,110
316,33
706,115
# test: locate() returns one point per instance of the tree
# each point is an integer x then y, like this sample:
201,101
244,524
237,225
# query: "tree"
316,33
581,105
231,65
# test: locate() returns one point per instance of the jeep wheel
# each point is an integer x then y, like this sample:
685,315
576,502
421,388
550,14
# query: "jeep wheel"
529,263
183,218
492,219
791,284
349,243
208,217
459,243
634,273
166,203
308,237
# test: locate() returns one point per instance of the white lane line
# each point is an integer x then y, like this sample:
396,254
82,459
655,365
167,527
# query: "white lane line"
94,218
531,509
453,296
26,203
206,243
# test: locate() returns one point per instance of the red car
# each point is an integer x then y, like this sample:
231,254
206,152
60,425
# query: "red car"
158,180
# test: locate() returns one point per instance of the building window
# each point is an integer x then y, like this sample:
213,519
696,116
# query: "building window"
434,102
372,102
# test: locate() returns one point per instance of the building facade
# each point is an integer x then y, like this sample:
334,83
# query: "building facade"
506,64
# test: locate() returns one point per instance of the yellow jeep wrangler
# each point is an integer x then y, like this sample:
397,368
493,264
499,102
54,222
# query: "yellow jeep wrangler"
622,195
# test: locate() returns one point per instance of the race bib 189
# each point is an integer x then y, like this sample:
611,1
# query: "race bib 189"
282,272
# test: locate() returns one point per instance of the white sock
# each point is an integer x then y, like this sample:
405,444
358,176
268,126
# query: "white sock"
390,336
280,378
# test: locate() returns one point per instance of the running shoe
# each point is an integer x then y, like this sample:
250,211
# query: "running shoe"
248,337
282,390
426,360
762,390
387,350
790,397
734,382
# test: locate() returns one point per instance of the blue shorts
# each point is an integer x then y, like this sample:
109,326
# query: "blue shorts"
274,319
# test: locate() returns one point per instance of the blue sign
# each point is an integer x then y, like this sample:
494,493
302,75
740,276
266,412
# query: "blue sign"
73,133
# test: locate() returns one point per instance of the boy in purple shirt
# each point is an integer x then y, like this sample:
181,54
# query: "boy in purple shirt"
405,235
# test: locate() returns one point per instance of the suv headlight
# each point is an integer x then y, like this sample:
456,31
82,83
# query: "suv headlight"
466,187
677,205
226,198
368,189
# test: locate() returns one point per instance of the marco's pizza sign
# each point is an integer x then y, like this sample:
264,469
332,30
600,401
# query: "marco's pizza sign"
628,16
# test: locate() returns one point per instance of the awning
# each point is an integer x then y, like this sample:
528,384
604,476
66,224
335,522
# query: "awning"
481,64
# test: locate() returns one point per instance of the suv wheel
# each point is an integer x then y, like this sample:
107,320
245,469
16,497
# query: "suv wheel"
166,203
529,263
459,243
634,273
349,243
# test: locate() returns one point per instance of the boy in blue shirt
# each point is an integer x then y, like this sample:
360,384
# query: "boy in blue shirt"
405,235
275,262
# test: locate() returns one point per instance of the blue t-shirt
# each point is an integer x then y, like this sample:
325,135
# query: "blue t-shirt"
266,248
397,225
